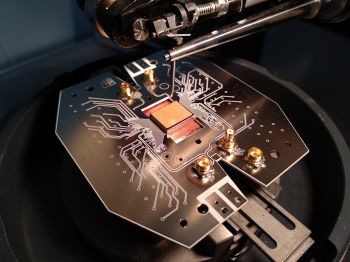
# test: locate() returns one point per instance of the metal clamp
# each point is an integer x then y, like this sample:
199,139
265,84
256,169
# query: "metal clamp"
288,243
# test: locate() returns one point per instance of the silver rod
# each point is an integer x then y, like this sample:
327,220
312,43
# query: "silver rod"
173,72
245,27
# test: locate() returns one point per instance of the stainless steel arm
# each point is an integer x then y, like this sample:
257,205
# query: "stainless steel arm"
245,27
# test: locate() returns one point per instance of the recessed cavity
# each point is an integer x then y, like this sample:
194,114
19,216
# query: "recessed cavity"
183,222
203,209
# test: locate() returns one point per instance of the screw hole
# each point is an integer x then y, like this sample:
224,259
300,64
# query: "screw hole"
198,141
203,209
153,62
183,222
74,94
89,88
166,156
180,159
237,200
224,210
274,154
287,143
229,192
216,202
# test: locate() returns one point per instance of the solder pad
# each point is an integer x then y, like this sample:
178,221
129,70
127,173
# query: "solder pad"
143,175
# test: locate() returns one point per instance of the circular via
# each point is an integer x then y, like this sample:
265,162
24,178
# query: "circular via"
203,209
179,158
167,156
164,86
183,222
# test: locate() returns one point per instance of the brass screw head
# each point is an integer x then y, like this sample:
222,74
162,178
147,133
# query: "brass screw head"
125,90
254,156
149,78
203,166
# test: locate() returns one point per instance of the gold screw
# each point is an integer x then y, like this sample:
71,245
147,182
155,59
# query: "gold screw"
149,78
228,142
125,90
203,166
255,156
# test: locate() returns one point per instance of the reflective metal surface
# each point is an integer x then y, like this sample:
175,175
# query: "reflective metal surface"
144,176
283,237
221,101
245,27
119,152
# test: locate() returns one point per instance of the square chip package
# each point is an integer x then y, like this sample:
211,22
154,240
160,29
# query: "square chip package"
170,115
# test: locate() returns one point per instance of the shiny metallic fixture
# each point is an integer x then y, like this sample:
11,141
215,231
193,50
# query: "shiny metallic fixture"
203,166
245,27
255,157
128,22
125,90
150,78
286,238
228,142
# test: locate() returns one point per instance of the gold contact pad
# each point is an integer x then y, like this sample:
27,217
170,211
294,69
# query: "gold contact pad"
171,115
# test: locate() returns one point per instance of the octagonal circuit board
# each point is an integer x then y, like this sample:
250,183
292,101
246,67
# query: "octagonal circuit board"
138,155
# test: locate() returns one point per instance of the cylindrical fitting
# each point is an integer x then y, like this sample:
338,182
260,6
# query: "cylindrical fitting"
248,26
254,156
217,7
149,78
203,166
206,9
230,135
125,90
228,142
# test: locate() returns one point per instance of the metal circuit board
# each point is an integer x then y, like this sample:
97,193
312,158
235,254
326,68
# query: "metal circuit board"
147,178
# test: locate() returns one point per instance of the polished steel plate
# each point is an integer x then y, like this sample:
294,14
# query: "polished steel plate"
141,175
